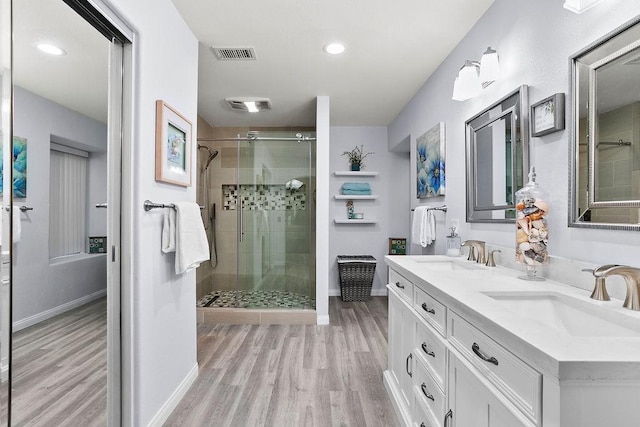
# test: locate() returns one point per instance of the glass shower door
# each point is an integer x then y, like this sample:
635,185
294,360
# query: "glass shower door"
276,222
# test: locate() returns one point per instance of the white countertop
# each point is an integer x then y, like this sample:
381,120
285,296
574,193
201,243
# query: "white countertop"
548,350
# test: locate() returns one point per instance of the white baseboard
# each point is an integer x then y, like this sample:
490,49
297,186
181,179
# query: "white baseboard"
322,319
374,292
52,312
163,414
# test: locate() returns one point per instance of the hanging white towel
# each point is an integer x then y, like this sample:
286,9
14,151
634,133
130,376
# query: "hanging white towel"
169,231
428,231
192,247
17,226
417,225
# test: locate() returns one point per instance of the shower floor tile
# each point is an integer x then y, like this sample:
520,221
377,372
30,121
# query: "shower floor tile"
256,299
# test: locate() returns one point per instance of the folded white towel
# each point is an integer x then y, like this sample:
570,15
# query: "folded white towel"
417,225
169,231
192,247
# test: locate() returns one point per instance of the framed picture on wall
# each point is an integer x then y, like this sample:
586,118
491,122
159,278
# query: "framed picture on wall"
430,164
547,116
173,146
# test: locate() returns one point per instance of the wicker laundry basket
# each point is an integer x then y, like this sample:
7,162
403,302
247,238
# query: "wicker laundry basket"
356,276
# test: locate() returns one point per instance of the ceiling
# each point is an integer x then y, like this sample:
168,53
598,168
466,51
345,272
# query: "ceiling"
392,49
77,80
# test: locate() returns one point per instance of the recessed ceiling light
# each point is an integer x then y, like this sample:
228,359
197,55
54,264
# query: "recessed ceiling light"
51,49
334,48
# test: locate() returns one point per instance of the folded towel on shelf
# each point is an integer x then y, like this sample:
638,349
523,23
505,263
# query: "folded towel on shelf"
356,192
356,186
169,231
192,247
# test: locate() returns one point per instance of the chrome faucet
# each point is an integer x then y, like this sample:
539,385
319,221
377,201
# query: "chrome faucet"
490,261
599,289
631,277
472,253
479,246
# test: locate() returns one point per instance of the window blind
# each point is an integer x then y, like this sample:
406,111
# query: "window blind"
67,211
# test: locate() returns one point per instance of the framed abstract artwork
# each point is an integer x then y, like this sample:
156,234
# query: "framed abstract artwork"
430,163
19,168
173,146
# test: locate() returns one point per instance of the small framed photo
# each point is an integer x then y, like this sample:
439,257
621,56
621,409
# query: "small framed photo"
547,116
397,246
173,146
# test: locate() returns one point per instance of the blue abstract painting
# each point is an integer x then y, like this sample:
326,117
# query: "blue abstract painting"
430,163
19,167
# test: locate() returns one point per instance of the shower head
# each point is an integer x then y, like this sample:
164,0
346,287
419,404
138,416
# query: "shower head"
212,154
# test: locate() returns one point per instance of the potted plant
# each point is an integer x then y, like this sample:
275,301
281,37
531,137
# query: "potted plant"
356,156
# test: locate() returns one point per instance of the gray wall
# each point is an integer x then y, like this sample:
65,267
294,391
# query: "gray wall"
534,41
38,287
391,209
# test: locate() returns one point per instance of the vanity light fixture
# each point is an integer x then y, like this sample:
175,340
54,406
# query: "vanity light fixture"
51,49
475,76
579,6
334,48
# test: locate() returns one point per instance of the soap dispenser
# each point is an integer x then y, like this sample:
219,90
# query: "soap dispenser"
532,235
453,242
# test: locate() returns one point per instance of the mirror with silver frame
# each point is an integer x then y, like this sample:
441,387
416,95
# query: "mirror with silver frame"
605,132
497,156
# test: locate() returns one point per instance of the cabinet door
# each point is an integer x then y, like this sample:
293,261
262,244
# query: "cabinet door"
401,359
474,404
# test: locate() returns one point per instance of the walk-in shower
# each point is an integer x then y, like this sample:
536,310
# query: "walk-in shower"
262,187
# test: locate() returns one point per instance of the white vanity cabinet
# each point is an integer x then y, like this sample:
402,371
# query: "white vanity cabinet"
436,378
400,353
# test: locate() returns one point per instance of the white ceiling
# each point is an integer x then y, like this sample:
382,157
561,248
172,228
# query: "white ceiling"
392,49
77,80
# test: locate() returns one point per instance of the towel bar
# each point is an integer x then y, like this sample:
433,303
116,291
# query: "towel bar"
148,205
22,208
442,208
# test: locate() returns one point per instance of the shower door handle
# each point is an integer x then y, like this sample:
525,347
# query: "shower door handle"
241,221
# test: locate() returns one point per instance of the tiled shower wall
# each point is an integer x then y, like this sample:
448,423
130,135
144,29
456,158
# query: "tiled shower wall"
618,172
289,216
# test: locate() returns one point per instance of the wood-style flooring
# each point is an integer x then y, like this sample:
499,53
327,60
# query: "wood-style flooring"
59,370
293,375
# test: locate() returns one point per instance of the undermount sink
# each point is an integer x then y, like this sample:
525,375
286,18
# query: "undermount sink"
569,315
448,265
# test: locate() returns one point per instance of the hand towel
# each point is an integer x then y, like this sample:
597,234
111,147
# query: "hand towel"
417,225
428,231
192,247
17,226
169,231
356,192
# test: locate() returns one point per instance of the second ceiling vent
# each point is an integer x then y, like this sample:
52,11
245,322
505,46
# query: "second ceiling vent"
234,53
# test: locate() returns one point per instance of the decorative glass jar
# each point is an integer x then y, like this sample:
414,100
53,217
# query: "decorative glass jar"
532,233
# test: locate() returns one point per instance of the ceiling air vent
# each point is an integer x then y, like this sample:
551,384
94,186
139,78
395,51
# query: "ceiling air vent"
234,53
251,105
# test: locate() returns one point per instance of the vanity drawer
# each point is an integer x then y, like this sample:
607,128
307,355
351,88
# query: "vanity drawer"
401,284
428,393
421,415
520,383
434,312
430,346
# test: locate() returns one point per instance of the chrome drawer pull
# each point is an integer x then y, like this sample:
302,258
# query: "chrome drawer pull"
427,309
426,393
399,285
409,358
426,350
447,416
476,349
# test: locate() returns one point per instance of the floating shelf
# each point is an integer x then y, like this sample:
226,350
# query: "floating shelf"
354,197
355,173
356,221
